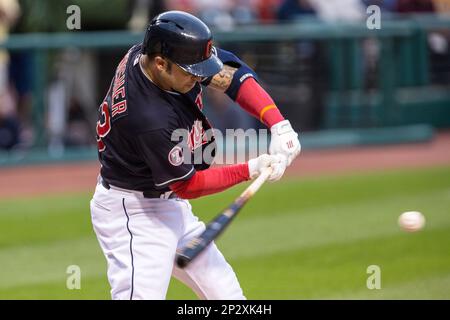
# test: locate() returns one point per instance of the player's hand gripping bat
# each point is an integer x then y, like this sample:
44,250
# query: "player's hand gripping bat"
219,224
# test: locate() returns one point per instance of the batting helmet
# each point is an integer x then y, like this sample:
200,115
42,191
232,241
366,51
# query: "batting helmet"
183,39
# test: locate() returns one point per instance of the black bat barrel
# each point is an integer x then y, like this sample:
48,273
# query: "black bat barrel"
212,231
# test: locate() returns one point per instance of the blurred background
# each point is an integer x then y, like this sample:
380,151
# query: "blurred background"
370,98
319,60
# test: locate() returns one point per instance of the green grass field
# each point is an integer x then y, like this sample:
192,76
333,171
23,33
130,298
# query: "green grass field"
297,239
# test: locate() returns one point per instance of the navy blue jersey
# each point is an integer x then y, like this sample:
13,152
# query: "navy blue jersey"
135,126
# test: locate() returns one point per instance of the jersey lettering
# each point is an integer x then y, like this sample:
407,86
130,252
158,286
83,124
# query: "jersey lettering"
118,108
119,104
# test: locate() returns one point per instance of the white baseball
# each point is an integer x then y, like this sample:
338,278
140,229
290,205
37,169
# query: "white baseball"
411,221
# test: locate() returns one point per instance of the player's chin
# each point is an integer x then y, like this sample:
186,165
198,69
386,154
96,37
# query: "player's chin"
188,87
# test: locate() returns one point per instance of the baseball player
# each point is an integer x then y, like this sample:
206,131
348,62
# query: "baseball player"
140,209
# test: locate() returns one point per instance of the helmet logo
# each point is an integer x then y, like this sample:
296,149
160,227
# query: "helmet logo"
208,49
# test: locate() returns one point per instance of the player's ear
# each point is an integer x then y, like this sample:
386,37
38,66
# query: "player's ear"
160,63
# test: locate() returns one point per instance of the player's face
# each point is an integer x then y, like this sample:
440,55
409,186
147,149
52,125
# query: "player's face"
181,80
169,76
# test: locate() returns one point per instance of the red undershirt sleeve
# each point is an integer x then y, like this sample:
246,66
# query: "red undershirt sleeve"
256,101
212,180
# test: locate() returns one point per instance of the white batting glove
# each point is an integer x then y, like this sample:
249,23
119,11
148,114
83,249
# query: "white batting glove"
278,167
276,162
284,140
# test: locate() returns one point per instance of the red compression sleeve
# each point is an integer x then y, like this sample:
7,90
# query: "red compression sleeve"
256,101
211,181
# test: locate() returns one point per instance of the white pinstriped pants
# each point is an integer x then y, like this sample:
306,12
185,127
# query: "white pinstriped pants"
139,238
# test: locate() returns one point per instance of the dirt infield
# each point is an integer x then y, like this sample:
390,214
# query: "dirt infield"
64,178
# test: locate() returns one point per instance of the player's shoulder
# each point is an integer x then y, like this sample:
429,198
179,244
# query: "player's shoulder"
151,116
151,111
149,108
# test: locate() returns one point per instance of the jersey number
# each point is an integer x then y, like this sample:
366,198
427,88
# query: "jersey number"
103,128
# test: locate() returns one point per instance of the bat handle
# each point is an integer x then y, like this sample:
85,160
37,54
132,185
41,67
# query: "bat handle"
251,190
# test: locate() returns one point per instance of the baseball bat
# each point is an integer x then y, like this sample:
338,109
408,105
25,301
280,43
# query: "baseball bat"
219,223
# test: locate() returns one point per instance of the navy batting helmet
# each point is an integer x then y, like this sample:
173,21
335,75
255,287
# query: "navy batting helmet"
183,39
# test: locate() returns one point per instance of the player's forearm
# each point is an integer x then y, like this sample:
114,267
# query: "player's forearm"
210,181
256,101
250,96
